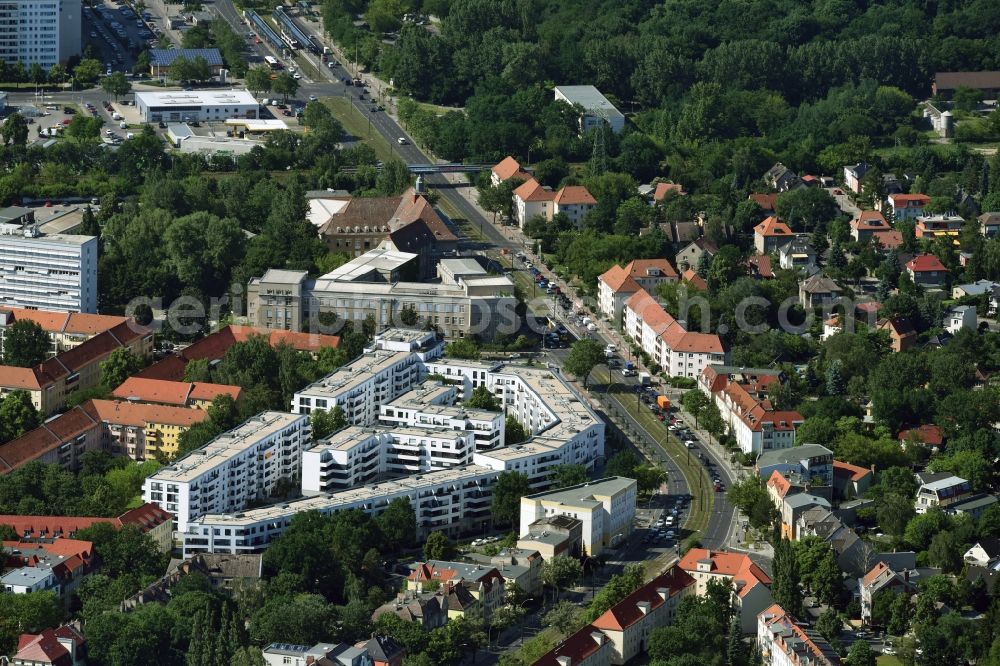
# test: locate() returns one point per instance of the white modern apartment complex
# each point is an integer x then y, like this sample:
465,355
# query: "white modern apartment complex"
452,500
46,32
605,507
235,468
47,271
401,400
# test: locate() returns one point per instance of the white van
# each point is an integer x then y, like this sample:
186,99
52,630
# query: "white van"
116,116
123,124
129,135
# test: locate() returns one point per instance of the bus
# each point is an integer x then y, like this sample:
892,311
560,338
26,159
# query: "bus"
272,62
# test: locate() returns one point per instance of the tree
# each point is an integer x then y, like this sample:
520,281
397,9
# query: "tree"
584,355
514,432
829,624
561,572
482,398
899,615
835,384
26,344
398,524
565,616
564,476
408,315
116,85
258,80
438,547
944,552
861,654
285,85
462,348
17,415
622,463
326,422
507,494
87,71
736,649
827,580
120,364
14,130
785,588
893,513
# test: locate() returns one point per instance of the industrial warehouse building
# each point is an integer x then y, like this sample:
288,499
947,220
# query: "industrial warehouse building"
197,105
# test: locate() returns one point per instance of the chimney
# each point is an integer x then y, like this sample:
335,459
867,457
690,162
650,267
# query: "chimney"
873,470
906,575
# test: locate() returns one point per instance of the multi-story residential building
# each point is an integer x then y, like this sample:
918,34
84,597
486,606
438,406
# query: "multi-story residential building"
751,586
853,174
149,518
485,584
321,654
57,564
372,284
941,493
926,270
741,396
433,405
506,169
618,283
198,395
75,369
234,469
47,271
784,641
574,201
588,646
938,226
782,178
452,501
597,110
690,255
907,206
771,234
669,344
884,577
813,462
629,623
867,225
65,329
138,431
532,199
46,32
989,224
606,508
64,646
818,291
797,254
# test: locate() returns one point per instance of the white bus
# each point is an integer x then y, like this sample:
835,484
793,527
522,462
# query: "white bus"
272,62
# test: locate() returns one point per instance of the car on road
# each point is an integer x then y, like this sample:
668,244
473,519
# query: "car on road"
313,98
689,443
402,141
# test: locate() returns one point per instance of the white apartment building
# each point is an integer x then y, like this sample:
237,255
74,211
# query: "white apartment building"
605,507
47,32
452,500
669,344
235,468
433,406
47,271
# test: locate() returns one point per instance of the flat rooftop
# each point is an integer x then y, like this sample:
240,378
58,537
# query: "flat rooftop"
376,260
226,446
355,373
590,98
351,497
792,455
14,234
185,98
585,494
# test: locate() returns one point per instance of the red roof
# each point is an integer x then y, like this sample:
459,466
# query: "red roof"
897,199
846,470
507,168
737,566
140,415
47,437
532,190
575,195
639,268
663,189
780,484
925,262
890,240
772,226
627,612
869,220
577,647
43,648
928,433
762,265
145,517
765,201
695,280
171,393
619,280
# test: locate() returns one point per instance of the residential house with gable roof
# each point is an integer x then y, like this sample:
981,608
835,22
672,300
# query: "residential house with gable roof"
618,283
941,493
741,396
506,169
782,178
383,650
750,584
850,481
574,201
482,586
767,202
818,291
629,623
867,224
65,329
690,254
882,577
907,206
853,173
63,646
784,641
902,334
588,646
927,271
197,395
798,254
531,199
771,234
989,224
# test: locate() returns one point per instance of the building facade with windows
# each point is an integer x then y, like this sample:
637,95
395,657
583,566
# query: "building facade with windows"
235,468
47,271
43,32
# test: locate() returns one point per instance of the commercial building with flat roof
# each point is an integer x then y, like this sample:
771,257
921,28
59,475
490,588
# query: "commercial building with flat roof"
605,507
596,107
232,470
195,105
47,271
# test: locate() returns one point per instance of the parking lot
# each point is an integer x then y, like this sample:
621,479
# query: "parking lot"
117,34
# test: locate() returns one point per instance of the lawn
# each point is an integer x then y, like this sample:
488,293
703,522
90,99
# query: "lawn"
888,660
357,126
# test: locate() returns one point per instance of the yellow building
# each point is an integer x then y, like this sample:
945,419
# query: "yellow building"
142,431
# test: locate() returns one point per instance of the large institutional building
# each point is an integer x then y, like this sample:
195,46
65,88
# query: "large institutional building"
466,300
46,271
409,436
47,32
